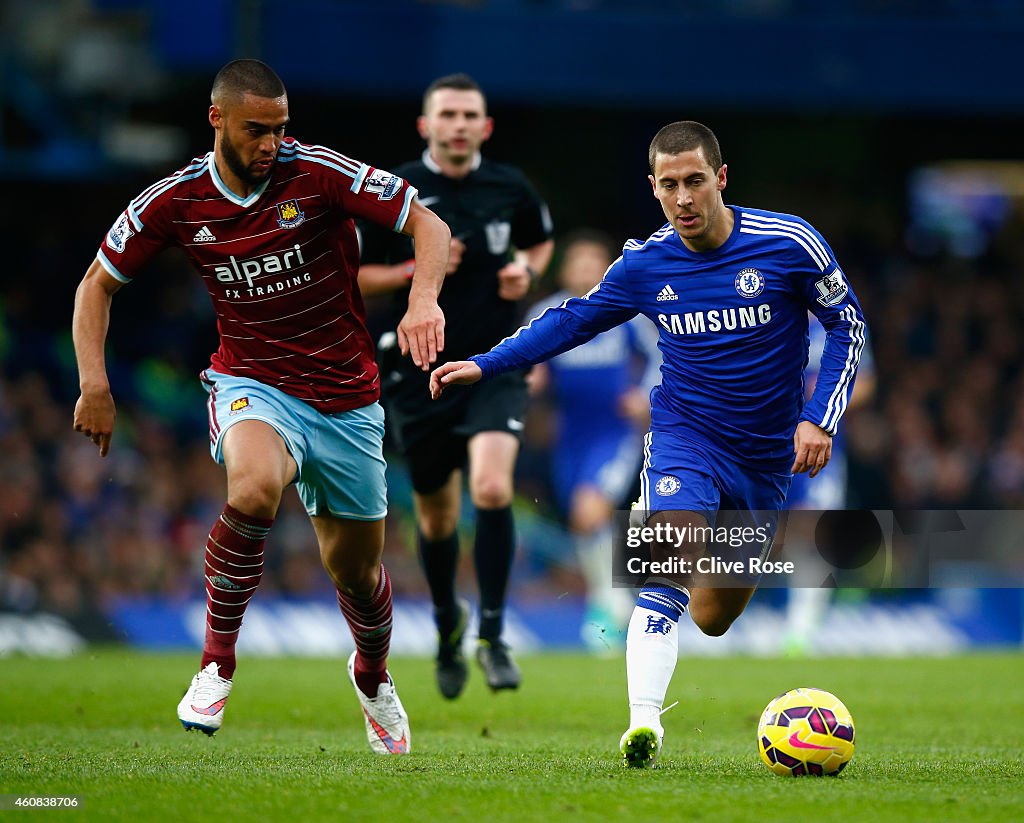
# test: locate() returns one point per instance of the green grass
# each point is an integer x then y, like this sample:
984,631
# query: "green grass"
937,739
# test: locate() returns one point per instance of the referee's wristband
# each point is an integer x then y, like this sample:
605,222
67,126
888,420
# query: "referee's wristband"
409,268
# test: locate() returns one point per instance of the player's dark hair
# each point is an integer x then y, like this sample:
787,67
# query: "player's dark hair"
459,82
240,77
592,237
686,135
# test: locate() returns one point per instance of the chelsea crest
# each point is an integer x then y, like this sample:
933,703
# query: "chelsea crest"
668,485
749,283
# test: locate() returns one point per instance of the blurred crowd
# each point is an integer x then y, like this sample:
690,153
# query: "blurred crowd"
946,429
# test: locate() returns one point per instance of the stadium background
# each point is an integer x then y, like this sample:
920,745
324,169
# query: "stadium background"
847,113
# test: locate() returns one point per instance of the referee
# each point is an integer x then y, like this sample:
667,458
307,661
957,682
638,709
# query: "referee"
501,241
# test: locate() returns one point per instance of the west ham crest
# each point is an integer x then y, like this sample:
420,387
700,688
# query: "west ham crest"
289,215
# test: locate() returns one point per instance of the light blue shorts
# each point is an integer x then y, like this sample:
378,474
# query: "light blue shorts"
340,456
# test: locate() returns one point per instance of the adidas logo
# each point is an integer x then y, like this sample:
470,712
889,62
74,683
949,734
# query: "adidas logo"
667,294
204,235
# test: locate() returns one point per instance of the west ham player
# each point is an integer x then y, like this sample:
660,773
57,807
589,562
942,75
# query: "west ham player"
501,240
601,396
729,289
269,224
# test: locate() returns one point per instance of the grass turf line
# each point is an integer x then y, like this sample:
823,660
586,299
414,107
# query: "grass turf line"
937,739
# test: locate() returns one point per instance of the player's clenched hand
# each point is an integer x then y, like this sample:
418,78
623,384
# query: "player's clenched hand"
421,332
513,281
464,372
635,405
94,417
455,250
813,448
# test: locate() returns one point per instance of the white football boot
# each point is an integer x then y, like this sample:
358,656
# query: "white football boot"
202,707
387,724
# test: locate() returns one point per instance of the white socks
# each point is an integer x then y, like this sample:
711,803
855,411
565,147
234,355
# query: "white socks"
652,646
805,611
594,554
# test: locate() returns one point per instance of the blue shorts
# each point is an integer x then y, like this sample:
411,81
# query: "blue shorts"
608,463
681,475
340,456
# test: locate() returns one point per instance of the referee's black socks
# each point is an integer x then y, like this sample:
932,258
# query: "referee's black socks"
493,550
440,560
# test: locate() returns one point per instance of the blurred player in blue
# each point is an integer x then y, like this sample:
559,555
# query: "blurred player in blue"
806,605
601,394
729,288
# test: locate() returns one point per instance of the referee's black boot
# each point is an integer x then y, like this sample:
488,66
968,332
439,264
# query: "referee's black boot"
451,669
499,668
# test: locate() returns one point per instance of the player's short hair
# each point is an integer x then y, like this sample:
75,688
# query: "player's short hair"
686,135
590,237
459,82
240,77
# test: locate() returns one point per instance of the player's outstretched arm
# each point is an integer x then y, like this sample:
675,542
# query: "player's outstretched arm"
421,330
463,372
94,411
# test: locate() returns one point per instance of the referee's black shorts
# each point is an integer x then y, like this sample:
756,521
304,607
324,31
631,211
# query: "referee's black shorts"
433,438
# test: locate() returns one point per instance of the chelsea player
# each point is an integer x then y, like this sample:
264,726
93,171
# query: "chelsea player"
601,399
807,598
729,289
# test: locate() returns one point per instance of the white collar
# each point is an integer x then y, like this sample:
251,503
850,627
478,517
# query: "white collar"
245,202
431,164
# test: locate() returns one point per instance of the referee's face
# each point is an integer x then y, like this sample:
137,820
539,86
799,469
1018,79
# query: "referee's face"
690,193
455,124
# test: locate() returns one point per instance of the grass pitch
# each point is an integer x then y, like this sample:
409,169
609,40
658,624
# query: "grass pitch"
937,739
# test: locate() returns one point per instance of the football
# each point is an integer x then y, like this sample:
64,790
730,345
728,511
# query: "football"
806,731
